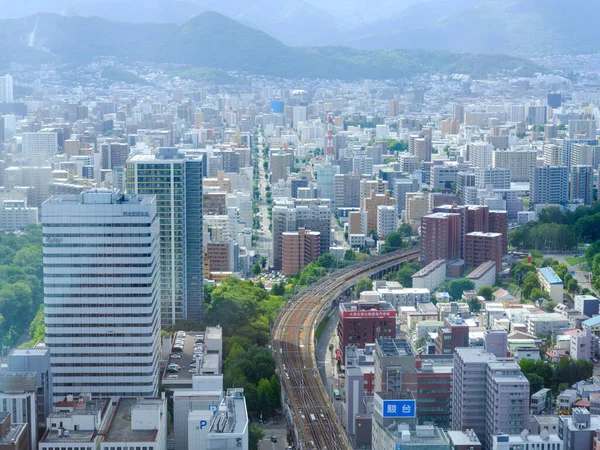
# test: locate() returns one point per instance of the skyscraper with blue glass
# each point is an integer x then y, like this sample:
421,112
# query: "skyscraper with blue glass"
176,181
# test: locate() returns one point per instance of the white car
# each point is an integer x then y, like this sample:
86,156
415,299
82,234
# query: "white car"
176,356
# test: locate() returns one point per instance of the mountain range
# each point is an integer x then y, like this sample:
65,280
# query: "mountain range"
516,27
214,41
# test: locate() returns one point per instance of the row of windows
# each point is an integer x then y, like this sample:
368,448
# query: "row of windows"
97,305
111,448
140,384
94,245
98,275
99,355
107,295
102,374
95,235
97,225
97,255
100,315
98,265
90,335
95,325
137,364
102,345
97,285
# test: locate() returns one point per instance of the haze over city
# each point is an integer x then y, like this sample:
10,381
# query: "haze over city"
299,225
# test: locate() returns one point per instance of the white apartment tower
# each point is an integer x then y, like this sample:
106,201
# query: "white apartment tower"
102,293
6,89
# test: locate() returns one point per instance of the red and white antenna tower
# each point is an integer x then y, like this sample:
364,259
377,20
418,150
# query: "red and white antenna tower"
329,150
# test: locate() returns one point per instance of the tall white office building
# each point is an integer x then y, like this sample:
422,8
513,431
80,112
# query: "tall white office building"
102,293
6,89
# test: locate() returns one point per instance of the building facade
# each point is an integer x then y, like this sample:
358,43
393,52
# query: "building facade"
101,293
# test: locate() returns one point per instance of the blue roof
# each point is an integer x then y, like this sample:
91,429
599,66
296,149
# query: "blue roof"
591,322
550,275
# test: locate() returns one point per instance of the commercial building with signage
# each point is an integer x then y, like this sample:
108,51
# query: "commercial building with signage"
364,321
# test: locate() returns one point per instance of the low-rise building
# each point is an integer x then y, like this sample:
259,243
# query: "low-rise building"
76,422
13,436
551,283
138,423
546,323
543,441
227,427
565,399
579,430
539,401
431,276
483,275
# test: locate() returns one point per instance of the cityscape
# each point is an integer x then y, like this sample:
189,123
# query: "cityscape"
216,234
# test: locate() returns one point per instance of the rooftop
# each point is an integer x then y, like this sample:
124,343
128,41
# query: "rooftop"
366,306
481,270
550,275
462,438
430,268
592,322
395,347
120,427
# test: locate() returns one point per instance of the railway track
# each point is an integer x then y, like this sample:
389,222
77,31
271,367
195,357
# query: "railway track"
316,425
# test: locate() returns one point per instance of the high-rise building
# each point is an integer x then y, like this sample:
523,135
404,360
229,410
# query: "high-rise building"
39,147
371,204
6,89
101,297
497,178
582,185
484,392
299,248
582,129
176,181
553,155
387,221
114,154
549,185
519,162
464,181
325,179
310,214
279,166
537,115
346,190
584,154
480,154
481,247
440,237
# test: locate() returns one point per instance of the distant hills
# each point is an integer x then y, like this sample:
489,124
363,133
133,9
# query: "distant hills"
212,40
515,27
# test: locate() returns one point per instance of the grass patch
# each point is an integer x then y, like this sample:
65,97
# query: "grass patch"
321,328
573,261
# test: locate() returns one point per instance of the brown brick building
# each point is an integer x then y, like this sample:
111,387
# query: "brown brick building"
298,249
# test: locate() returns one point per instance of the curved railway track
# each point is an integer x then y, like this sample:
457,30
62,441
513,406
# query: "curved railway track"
316,425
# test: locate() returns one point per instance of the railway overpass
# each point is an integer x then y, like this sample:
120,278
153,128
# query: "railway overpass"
305,399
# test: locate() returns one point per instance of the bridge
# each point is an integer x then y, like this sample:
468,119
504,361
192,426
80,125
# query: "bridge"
306,403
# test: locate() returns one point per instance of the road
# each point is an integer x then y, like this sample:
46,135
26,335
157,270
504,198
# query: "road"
327,365
274,430
581,276
264,243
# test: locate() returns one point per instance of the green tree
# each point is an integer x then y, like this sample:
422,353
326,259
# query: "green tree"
535,382
573,286
404,275
405,229
327,260
486,292
255,435
455,288
474,306
278,289
393,241
350,255
365,284
530,282
262,261
256,270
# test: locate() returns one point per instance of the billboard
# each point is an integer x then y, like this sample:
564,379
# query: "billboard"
399,408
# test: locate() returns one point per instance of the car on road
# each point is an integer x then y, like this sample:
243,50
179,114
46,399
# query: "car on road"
176,356
273,438
595,360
